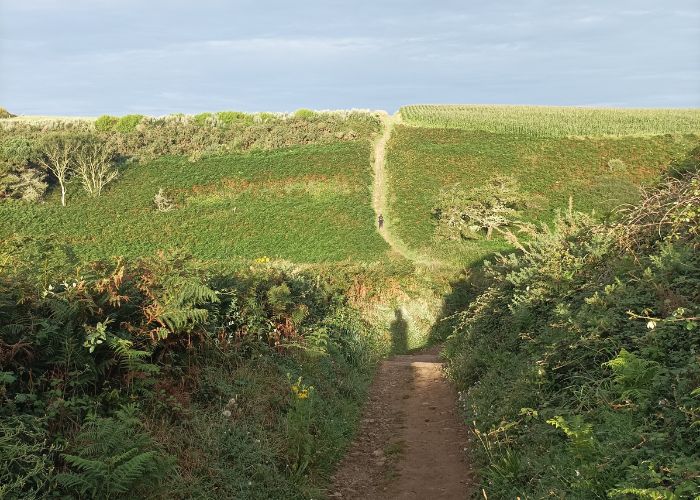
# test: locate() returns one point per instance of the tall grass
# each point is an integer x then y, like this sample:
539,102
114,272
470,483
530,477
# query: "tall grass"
555,121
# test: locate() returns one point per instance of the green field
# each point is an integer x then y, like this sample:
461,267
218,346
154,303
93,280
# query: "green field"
422,161
304,204
554,121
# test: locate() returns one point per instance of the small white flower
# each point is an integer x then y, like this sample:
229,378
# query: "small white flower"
651,324
226,413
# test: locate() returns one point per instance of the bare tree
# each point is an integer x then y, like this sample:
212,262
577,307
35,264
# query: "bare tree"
93,163
58,155
491,207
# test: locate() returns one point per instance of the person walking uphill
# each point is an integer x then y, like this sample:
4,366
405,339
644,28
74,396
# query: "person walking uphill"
380,221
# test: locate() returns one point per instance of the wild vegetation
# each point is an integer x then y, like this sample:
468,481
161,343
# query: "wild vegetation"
577,356
157,341
158,377
425,165
555,121
225,200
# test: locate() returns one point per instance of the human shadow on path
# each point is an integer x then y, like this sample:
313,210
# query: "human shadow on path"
399,332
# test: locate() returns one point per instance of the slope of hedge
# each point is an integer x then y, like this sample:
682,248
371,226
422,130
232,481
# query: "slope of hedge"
579,360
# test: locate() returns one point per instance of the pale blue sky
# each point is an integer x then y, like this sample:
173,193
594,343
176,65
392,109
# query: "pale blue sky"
88,57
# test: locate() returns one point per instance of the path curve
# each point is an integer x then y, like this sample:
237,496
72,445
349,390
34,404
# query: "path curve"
411,443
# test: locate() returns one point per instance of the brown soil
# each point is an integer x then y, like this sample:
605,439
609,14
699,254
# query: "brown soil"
411,443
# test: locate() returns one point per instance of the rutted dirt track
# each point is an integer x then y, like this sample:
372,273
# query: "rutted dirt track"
410,444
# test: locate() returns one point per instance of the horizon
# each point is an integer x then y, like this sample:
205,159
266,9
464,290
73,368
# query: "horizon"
84,58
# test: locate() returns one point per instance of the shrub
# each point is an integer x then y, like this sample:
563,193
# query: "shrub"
24,183
106,123
231,117
492,206
128,123
5,114
162,202
616,165
304,114
19,177
202,118
19,151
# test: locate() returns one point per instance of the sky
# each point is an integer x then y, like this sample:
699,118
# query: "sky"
92,57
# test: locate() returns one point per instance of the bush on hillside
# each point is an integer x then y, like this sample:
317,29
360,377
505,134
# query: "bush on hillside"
304,114
578,358
148,138
230,117
5,114
163,202
203,118
491,207
106,123
20,178
616,165
22,183
128,123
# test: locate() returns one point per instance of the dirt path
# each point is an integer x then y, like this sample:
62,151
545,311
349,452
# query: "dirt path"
411,443
379,187
379,194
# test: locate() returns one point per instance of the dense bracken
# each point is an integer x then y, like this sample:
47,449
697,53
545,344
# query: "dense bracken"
578,357
158,378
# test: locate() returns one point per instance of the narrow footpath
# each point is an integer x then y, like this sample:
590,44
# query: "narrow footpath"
379,194
411,443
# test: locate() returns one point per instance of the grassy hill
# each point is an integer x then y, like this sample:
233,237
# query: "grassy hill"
422,161
230,375
304,204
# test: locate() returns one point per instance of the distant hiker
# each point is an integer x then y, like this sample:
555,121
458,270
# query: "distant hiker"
380,220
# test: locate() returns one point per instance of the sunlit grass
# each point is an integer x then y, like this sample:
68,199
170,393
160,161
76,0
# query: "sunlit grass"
305,204
422,161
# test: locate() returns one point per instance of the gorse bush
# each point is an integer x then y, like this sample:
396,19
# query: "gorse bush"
19,176
106,123
206,134
578,359
128,123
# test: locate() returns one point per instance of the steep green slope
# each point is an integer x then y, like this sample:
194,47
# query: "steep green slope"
422,161
305,204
